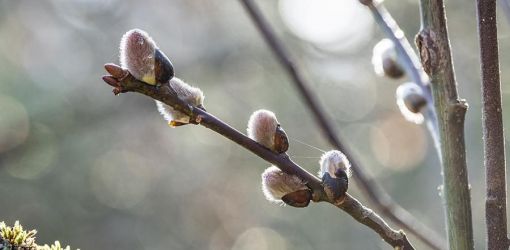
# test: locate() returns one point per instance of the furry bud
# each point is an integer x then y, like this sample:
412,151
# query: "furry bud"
335,172
191,95
263,127
336,187
384,59
144,60
277,184
410,101
332,162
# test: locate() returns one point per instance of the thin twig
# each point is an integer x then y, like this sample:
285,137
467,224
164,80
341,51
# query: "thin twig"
410,62
493,134
374,192
364,215
435,54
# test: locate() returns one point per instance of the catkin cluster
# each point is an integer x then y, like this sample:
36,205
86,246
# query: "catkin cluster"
140,56
280,187
410,97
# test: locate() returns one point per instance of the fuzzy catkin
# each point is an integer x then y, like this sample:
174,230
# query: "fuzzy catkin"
276,184
403,93
262,128
137,50
384,59
191,95
333,160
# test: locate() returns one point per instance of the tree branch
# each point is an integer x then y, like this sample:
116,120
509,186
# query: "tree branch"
410,62
493,134
375,194
434,47
353,207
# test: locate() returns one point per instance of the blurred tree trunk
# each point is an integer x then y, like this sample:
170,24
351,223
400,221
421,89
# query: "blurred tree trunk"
493,134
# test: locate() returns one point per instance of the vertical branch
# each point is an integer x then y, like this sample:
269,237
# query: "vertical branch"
409,61
434,47
493,134
367,184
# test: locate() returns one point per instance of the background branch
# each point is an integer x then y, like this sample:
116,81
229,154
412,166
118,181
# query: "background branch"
410,62
434,47
350,205
493,134
374,192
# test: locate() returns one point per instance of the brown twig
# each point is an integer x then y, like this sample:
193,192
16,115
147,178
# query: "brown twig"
380,198
127,83
493,134
434,48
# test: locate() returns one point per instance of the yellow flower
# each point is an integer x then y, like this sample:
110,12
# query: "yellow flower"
16,236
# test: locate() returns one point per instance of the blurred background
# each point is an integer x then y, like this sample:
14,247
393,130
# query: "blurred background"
98,171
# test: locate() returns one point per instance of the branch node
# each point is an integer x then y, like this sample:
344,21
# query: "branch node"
457,111
198,119
426,41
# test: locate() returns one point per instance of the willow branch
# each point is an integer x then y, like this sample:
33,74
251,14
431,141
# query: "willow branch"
410,62
493,134
434,47
367,184
364,215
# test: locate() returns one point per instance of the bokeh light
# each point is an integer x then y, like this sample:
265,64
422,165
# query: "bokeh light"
331,25
36,156
121,179
14,123
259,239
400,149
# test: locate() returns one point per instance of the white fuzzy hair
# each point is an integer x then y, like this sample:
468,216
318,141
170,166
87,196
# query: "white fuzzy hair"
262,127
276,184
384,49
191,95
333,160
402,92
137,51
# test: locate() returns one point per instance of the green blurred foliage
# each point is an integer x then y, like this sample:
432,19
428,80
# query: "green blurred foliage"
99,171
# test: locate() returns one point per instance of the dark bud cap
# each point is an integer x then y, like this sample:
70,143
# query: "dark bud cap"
281,143
392,69
415,102
300,198
163,68
341,174
336,188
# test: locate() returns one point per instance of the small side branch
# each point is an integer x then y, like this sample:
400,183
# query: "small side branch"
165,94
493,134
434,47
373,191
410,62
371,219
